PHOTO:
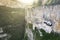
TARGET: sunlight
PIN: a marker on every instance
(27, 3)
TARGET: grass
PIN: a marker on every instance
(46, 36)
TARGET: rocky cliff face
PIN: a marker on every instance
(46, 16)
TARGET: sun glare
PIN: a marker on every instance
(27, 3)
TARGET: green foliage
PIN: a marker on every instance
(46, 36)
(49, 2)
